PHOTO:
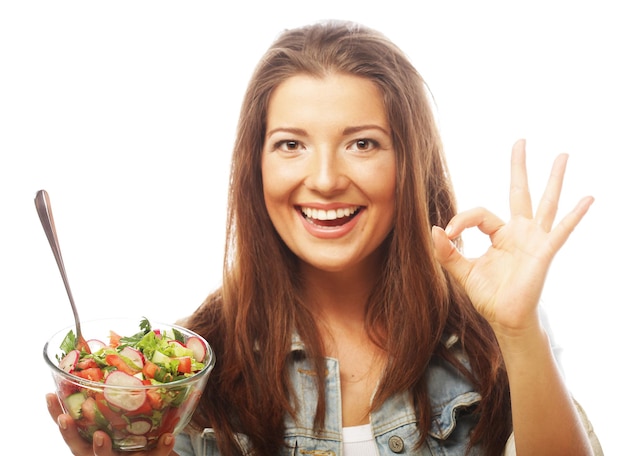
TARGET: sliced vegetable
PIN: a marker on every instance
(197, 348)
(94, 374)
(184, 364)
(134, 356)
(127, 399)
(69, 361)
(90, 410)
(139, 427)
(116, 361)
(95, 345)
(74, 403)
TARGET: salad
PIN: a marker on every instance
(130, 386)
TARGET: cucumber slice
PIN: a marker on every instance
(74, 404)
(160, 358)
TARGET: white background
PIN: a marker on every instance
(125, 112)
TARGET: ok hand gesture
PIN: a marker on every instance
(505, 283)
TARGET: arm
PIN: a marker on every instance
(505, 287)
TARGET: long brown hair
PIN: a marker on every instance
(250, 320)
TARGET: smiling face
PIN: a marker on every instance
(329, 170)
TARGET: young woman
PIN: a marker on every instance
(348, 321)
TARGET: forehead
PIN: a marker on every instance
(331, 97)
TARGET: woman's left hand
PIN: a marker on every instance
(505, 283)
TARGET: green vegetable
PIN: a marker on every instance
(145, 327)
(69, 343)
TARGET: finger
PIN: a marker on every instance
(102, 444)
(549, 204)
(165, 446)
(54, 406)
(519, 195)
(478, 217)
(448, 256)
(72, 438)
(69, 432)
(566, 226)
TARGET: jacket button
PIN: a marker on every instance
(396, 444)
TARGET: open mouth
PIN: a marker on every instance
(330, 218)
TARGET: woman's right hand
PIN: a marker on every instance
(102, 445)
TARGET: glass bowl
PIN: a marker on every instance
(137, 406)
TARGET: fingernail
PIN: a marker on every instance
(98, 440)
(62, 423)
(167, 440)
(449, 230)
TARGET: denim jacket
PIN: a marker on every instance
(394, 424)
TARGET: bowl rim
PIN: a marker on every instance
(208, 366)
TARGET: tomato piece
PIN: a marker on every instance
(114, 339)
(89, 409)
(184, 364)
(115, 418)
(92, 373)
(86, 364)
(155, 399)
(150, 369)
(117, 362)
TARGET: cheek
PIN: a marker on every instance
(275, 187)
(381, 183)
(384, 197)
(388, 186)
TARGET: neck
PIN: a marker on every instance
(343, 294)
(338, 300)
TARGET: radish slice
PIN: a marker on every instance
(68, 363)
(121, 397)
(196, 345)
(95, 345)
(134, 355)
(139, 427)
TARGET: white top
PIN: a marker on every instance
(359, 441)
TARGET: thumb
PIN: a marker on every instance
(448, 255)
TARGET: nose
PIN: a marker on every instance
(327, 172)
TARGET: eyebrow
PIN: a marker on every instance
(295, 131)
(346, 131)
(358, 128)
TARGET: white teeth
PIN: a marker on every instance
(332, 214)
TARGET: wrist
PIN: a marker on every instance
(522, 341)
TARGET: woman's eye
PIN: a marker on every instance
(288, 145)
(364, 144)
